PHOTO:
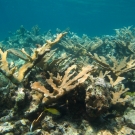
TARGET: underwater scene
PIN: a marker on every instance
(67, 67)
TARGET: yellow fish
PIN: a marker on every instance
(52, 110)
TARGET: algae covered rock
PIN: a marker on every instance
(130, 117)
(6, 128)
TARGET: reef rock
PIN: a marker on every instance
(130, 117)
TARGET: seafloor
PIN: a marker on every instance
(64, 84)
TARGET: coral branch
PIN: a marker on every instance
(118, 68)
(38, 54)
(117, 95)
(67, 83)
(117, 81)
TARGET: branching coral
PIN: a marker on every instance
(100, 95)
(117, 81)
(53, 64)
(75, 45)
(125, 38)
(64, 83)
(17, 76)
(95, 45)
(119, 67)
(65, 79)
(124, 33)
(117, 95)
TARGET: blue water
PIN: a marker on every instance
(92, 17)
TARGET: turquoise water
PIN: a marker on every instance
(92, 17)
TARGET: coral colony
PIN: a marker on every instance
(64, 84)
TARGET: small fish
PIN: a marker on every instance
(53, 111)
